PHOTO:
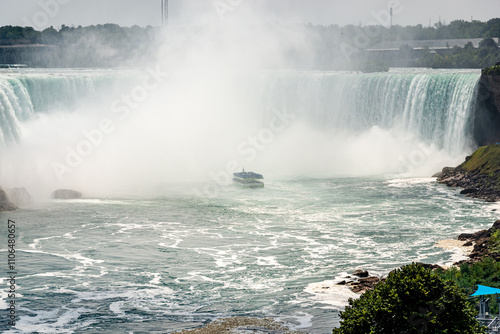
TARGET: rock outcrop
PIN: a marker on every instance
(5, 203)
(489, 85)
(66, 194)
(237, 325)
(483, 244)
(486, 127)
(365, 284)
(479, 175)
(361, 282)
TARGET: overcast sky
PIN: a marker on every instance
(44, 13)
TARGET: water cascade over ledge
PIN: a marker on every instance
(324, 122)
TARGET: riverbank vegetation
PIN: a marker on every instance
(413, 299)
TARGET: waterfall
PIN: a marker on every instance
(24, 95)
(436, 107)
(194, 124)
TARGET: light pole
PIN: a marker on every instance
(164, 13)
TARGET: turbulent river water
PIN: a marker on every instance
(162, 242)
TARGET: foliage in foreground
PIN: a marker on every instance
(412, 300)
(468, 276)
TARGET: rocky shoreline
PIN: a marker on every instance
(361, 281)
(479, 175)
(241, 325)
(482, 242)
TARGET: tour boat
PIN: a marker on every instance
(248, 179)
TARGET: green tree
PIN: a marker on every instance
(491, 28)
(412, 300)
(488, 43)
(50, 36)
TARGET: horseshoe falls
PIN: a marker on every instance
(437, 108)
(338, 121)
(162, 241)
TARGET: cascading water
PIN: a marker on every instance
(15, 105)
(338, 121)
(436, 107)
(23, 95)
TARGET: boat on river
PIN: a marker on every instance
(248, 179)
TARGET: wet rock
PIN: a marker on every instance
(5, 203)
(66, 194)
(469, 191)
(447, 170)
(496, 225)
(242, 325)
(480, 240)
(360, 281)
(364, 284)
(465, 236)
(361, 273)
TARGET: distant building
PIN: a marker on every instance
(391, 51)
(33, 55)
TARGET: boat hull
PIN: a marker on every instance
(251, 185)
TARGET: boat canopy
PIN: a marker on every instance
(483, 290)
(248, 175)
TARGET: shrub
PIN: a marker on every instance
(412, 300)
(493, 70)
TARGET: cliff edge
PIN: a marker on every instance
(487, 109)
(490, 82)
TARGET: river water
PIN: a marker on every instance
(123, 265)
(162, 242)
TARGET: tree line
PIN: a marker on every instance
(467, 57)
(104, 45)
(110, 45)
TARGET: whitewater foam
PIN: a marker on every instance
(329, 292)
(410, 122)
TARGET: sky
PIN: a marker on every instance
(44, 13)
